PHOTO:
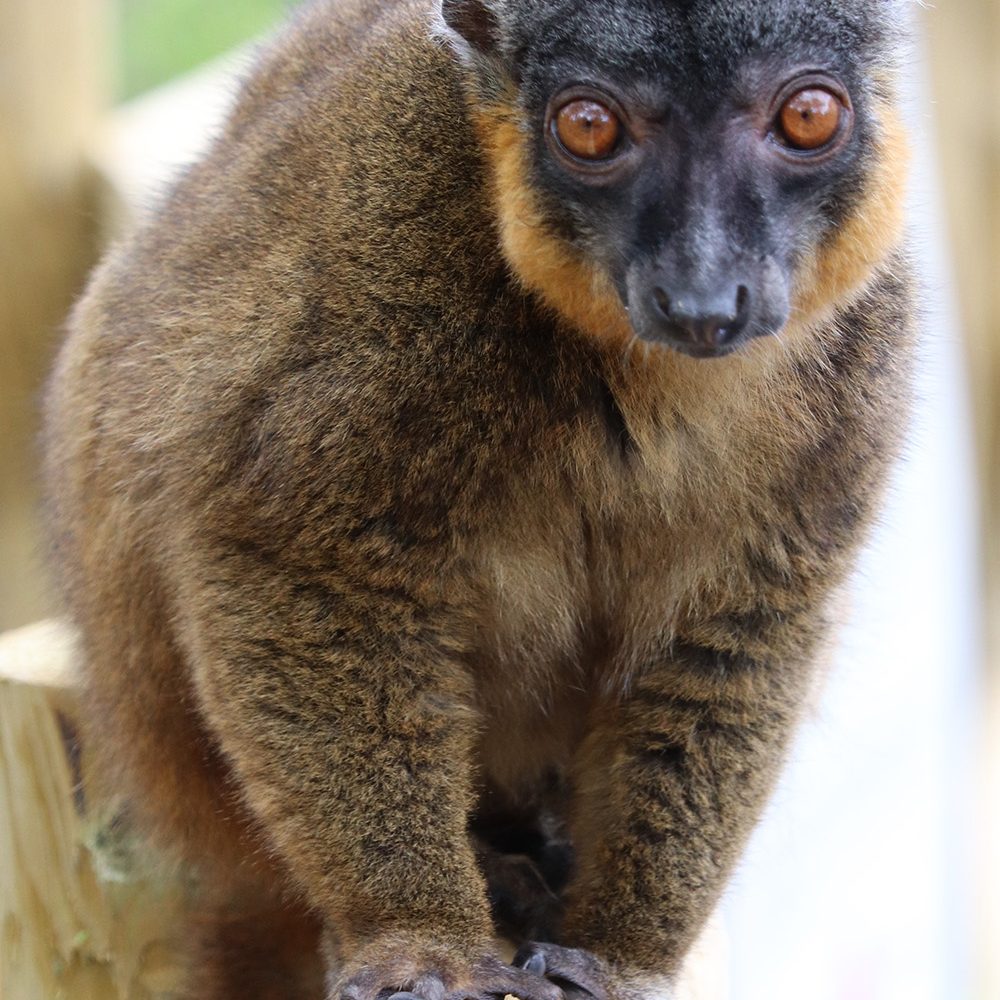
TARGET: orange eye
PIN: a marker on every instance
(588, 129)
(810, 118)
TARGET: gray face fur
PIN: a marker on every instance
(705, 225)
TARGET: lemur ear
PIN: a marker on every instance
(474, 22)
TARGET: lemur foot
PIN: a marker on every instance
(403, 977)
(581, 975)
(493, 979)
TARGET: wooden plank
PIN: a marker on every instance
(52, 93)
(85, 912)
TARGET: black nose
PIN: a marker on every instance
(707, 320)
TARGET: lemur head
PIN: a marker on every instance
(696, 173)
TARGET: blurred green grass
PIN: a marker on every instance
(159, 39)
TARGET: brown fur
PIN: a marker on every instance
(363, 537)
(269, 947)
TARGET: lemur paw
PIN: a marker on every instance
(404, 978)
(493, 979)
(581, 975)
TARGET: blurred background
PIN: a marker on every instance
(876, 873)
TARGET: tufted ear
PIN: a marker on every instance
(474, 22)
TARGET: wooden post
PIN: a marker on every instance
(87, 912)
(54, 57)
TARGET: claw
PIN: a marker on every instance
(498, 980)
(579, 974)
(531, 961)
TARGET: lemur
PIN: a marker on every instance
(450, 482)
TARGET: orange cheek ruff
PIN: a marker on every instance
(577, 290)
(839, 270)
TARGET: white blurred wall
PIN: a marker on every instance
(858, 885)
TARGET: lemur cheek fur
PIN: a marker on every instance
(838, 270)
(575, 288)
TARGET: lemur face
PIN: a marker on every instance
(699, 204)
(694, 154)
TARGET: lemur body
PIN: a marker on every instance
(382, 512)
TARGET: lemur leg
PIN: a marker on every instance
(669, 788)
(255, 947)
(350, 732)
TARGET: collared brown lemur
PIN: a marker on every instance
(451, 481)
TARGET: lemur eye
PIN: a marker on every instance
(810, 118)
(588, 129)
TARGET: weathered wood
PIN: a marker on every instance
(52, 92)
(86, 911)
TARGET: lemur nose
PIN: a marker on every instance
(709, 319)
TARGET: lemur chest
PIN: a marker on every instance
(585, 569)
(599, 549)
(573, 596)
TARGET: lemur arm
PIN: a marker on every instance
(351, 738)
(669, 786)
